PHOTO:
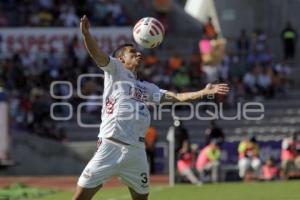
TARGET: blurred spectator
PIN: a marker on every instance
(185, 168)
(162, 6)
(237, 92)
(290, 157)
(62, 13)
(289, 39)
(208, 161)
(243, 43)
(237, 67)
(151, 61)
(68, 17)
(269, 171)
(45, 4)
(223, 69)
(150, 140)
(214, 133)
(181, 79)
(249, 163)
(116, 11)
(174, 62)
(43, 18)
(196, 73)
(181, 146)
(182, 143)
(259, 39)
(209, 29)
(26, 70)
(205, 49)
(211, 73)
(114, 7)
(100, 11)
(264, 83)
(3, 19)
(250, 81)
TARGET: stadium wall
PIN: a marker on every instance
(38, 156)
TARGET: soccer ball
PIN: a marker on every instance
(148, 32)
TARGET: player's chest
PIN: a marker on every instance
(135, 89)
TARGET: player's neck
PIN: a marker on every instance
(134, 72)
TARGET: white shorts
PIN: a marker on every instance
(113, 159)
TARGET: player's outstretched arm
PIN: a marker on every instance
(95, 52)
(210, 89)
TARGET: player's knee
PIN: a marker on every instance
(140, 197)
(80, 195)
(85, 194)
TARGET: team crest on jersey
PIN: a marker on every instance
(139, 93)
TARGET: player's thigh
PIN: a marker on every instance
(85, 193)
(135, 172)
(101, 167)
(137, 196)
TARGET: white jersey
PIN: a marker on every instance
(125, 115)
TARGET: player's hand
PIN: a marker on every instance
(84, 25)
(222, 88)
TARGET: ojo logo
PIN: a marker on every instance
(68, 89)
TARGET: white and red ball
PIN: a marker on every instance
(148, 32)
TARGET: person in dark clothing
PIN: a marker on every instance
(243, 43)
(214, 133)
(182, 143)
(289, 39)
(150, 141)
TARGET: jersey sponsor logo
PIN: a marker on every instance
(138, 93)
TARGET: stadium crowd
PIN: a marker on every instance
(28, 77)
(205, 164)
(249, 67)
(64, 13)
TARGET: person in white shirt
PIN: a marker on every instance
(125, 119)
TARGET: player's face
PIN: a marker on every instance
(132, 58)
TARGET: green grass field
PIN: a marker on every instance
(289, 190)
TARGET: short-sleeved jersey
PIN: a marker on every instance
(125, 115)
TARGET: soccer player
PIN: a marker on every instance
(122, 151)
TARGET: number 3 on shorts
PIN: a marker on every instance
(144, 179)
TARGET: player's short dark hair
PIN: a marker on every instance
(119, 51)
